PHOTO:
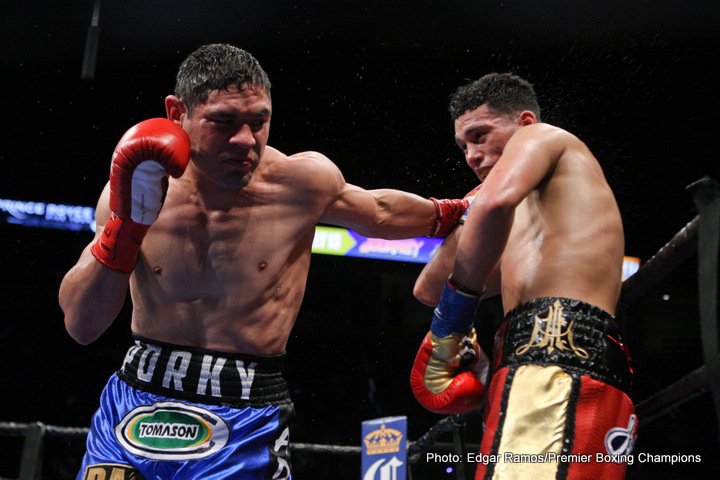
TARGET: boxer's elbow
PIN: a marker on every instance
(83, 330)
(501, 201)
(424, 294)
(89, 310)
(423, 297)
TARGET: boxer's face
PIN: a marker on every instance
(228, 134)
(482, 134)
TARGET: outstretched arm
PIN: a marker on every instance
(388, 213)
(384, 213)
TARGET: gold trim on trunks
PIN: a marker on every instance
(548, 333)
(535, 423)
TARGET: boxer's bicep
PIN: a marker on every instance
(352, 207)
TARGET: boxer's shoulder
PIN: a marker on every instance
(305, 172)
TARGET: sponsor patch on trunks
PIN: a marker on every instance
(172, 431)
(620, 441)
(111, 471)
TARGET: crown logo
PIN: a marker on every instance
(384, 440)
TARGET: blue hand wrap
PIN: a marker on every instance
(455, 312)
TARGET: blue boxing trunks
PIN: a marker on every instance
(176, 412)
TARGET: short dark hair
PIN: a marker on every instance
(503, 93)
(215, 66)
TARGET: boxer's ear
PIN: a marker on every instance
(175, 108)
(526, 118)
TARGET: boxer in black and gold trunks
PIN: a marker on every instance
(562, 382)
(544, 232)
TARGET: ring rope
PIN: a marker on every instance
(427, 440)
(663, 402)
(706, 194)
(15, 429)
(679, 249)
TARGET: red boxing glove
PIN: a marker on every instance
(143, 158)
(449, 212)
(449, 373)
(450, 368)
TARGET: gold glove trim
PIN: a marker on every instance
(448, 355)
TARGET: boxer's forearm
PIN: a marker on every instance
(398, 214)
(91, 297)
(430, 282)
(401, 214)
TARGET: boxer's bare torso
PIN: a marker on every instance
(564, 233)
(227, 270)
(225, 264)
(567, 237)
(549, 217)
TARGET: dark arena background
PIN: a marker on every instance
(366, 83)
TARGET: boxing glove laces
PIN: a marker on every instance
(144, 157)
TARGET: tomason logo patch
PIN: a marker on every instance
(172, 431)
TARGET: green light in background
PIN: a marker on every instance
(332, 241)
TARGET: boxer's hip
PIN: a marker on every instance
(575, 335)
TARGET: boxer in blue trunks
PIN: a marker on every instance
(216, 277)
(544, 231)
(182, 412)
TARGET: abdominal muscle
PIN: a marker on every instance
(538, 277)
(581, 259)
(221, 282)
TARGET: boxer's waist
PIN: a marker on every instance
(567, 332)
(205, 376)
(588, 319)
